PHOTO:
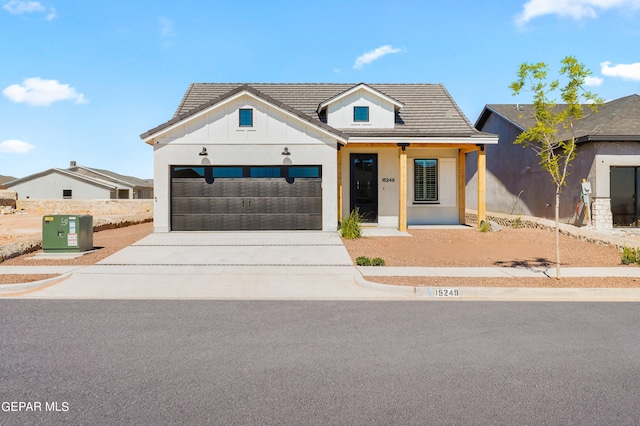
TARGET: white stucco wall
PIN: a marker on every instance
(228, 144)
(381, 112)
(50, 186)
(602, 165)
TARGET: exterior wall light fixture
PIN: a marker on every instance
(204, 151)
(286, 151)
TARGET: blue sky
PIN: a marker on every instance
(81, 80)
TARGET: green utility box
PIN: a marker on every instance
(67, 233)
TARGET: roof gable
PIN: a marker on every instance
(397, 105)
(68, 173)
(428, 110)
(233, 94)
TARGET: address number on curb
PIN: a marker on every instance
(447, 292)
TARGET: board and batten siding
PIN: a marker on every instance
(227, 143)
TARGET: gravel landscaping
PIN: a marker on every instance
(509, 247)
(106, 243)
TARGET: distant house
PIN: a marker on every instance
(608, 157)
(80, 183)
(5, 179)
(302, 156)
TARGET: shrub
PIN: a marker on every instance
(485, 226)
(629, 256)
(377, 262)
(350, 226)
(517, 223)
(363, 261)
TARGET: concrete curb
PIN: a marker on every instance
(454, 292)
(9, 290)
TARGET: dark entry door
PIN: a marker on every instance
(364, 185)
(624, 195)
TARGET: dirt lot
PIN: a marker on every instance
(521, 247)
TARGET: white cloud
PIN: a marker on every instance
(576, 9)
(52, 15)
(18, 7)
(36, 91)
(15, 146)
(624, 71)
(593, 81)
(371, 56)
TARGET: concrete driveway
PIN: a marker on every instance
(220, 265)
(235, 249)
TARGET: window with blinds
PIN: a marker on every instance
(425, 176)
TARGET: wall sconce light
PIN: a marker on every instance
(286, 151)
(204, 151)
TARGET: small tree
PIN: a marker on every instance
(556, 151)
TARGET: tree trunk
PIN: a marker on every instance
(557, 233)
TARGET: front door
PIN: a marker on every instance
(364, 185)
(625, 207)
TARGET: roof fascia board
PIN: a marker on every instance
(323, 105)
(29, 177)
(471, 140)
(232, 98)
(605, 138)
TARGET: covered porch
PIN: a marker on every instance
(408, 183)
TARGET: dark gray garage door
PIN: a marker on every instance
(246, 198)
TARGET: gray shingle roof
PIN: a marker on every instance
(428, 111)
(616, 120)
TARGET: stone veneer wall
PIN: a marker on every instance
(602, 216)
(91, 207)
(586, 233)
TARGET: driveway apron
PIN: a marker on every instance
(220, 265)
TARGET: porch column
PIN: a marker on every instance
(402, 187)
(461, 187)
(482, 171)
(339, 184)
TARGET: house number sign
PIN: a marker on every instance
(447, 292)
(388, 179)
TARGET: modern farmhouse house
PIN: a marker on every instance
(302, 156)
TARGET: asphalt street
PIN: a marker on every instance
(283, 362)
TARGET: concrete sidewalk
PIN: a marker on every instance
(287, 282)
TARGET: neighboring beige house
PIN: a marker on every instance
(302, 156)
(80, 183)
(608, 157)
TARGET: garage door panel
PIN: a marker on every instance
(283, 205)
(189, 205)
(239, 205)
(246, 222)
(246, 203)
